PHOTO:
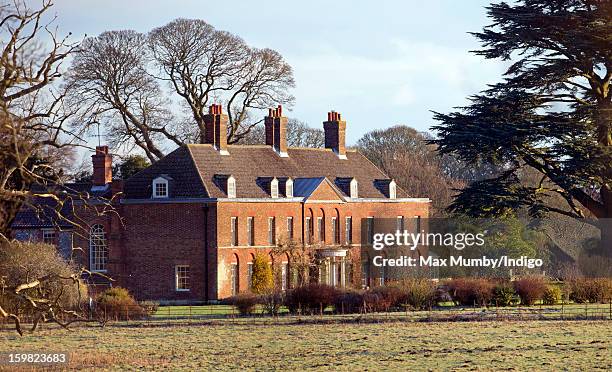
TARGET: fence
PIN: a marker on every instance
(211, 313)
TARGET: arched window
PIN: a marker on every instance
(98, 248)
(274, 188)
(289, 188)
(354, 189)
(231, 187)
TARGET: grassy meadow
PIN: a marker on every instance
(501, 345)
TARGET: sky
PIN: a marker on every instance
(378, 63)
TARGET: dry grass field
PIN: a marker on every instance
(526, 345)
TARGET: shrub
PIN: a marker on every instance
(244, 302)
(552, 295)
(22, 262)
(418, 294)
(382, 298)
(471, 291)
(272, 301)
(503, 294)
(530, 289)
(116, 303)
(348, 301)
(261, 279)
(310, 298)
(591, 290)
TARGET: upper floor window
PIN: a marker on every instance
(392, 190)
(271, 230)
(370, 229)
(250, 231)
(349, 229)
(234, 230)
(321, 228)
(274, 188)
(290, 228)
(400, 223)
(289, 188)
(231, 187)
(160, 187)
(98, 248)
(308, 230)
(48, 236)
(354, 188)
(335, 231)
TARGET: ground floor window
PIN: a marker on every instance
(249, 274)
(235, 280)
(284, 275)
(182, 277)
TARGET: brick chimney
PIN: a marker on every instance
(216, 129)
(276, 130)
(335, 131)
(102, 166)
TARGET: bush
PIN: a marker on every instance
(503, 294)
(348, 301)
(552, 295)
(310, 298)
(149, 307)
(22, 262)
(244, 302)
(261, 279)
(591, 290)
(382, 298)
(116, 303)
(471, 291)
(418, 294)
(530, 289)
(272, 301)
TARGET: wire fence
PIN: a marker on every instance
(186, 315)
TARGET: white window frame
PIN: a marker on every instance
(354, 189)
(234, 231)
(321, 229)
(274, 188)
(251, 231)
(161, 181)
(235, 278)
(335, 232)
(308, 230)
(186, 278)
(289, 188)
(249, 274)
(290, 227)
(271, 230)
(392, 190)
(348, 229)
(370, 229)
(98, 245)
(53, 236)
(231, 187)
(284, 275)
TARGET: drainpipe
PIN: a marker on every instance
(206, 252)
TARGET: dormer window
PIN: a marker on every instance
(392, 190)
(231, 187)
(160, 187)
(289, 188)
(354, 187)
(274, 188)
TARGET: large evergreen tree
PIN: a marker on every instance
(551, 112)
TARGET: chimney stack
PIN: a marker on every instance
(335, 131)
(276, 130)
(216, 129)
(102, 166)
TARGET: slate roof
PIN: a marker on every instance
(43, 212)
(193, 169)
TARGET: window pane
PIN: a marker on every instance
(98, 249)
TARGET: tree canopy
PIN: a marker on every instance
(551, 111)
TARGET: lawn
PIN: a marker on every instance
(229, 345)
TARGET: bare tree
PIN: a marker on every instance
(33, 131)
(202, 64)
(109, 82)
(299, 134)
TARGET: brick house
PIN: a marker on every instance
(188, 227)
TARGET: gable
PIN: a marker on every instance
(325, 191)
